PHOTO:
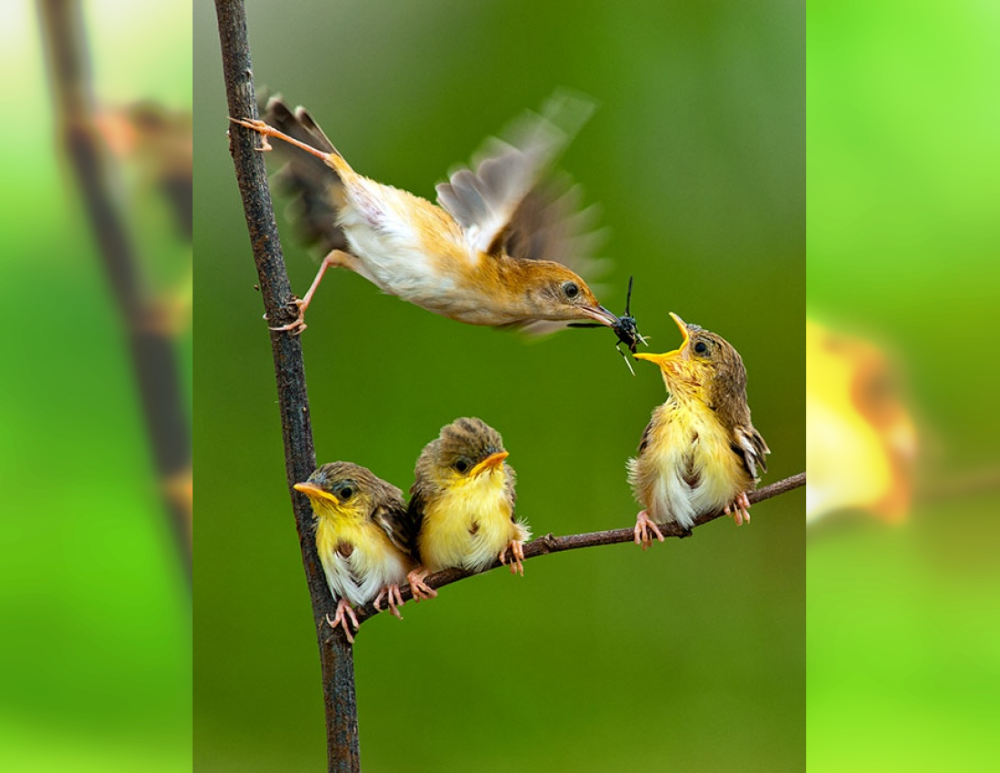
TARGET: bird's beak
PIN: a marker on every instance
(601, 314)
(311, 490)
(663, 360)
(684, 330)
(491, 462)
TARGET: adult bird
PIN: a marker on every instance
(497, 251)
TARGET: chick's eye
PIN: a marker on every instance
(570, 289)
(701, 348)
(345, 493)
(462, 465)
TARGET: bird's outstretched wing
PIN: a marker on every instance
(512, 203)
(306, 179)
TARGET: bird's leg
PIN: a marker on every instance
(516, 548)
(739, 509)
(337, 259)
(266, 131)
(344, 611)
(394, 598)
(417, 585)
(642, 527)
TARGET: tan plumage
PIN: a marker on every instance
(360, 537)
(495, 252)
(700, 452)
(462, 504)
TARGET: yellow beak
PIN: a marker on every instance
(313, 491)
(664, 359)
(491, 462)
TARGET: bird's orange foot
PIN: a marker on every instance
(258, 126)
(344, 611)
(266, 131)
(299, 324)
(516, 548)
(643, 525)
(740, 509)
(394, 599)
(418, 587)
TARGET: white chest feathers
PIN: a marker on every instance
(687, 468)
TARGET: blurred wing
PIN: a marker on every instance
(508, 205)
(309, 182)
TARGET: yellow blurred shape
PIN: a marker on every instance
(861, 441)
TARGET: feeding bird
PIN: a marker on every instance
(496, 250)
(700, 451)
(462, 504)
(360, 538)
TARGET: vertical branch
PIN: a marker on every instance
(150, 339)
(336, 656)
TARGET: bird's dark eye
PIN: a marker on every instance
(571, 289)
(462, 465)
(701, 348)
(345, 493)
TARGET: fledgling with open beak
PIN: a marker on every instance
(360, 538)
(498, 250)
(462, 504)
(700, 452)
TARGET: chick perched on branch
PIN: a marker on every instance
(359, 537)
(700, 452)
(462, 504)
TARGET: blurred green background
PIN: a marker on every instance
(689, 656)
(903, 244)
(96, 650)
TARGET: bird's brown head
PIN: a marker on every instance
(554, 292)
(467, 450)
(347, 490)
(705, 367)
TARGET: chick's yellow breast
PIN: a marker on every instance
(688, 466)
(358, 558)
(468, 525)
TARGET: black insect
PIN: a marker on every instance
(625, 328)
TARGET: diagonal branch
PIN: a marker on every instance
(336, 655)
(154, 360)
(550, 544)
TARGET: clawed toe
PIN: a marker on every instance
(643, 526)
(418, 587)
(516, 548)
(343, 612)
(296, 326)
(393, 597)
(739, 510)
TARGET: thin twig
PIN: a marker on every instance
(154, 359)
(551, 544)
(336, 655)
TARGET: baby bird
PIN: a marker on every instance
(360, 527)
(700, 451)
(492, 253)
(462, 504)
